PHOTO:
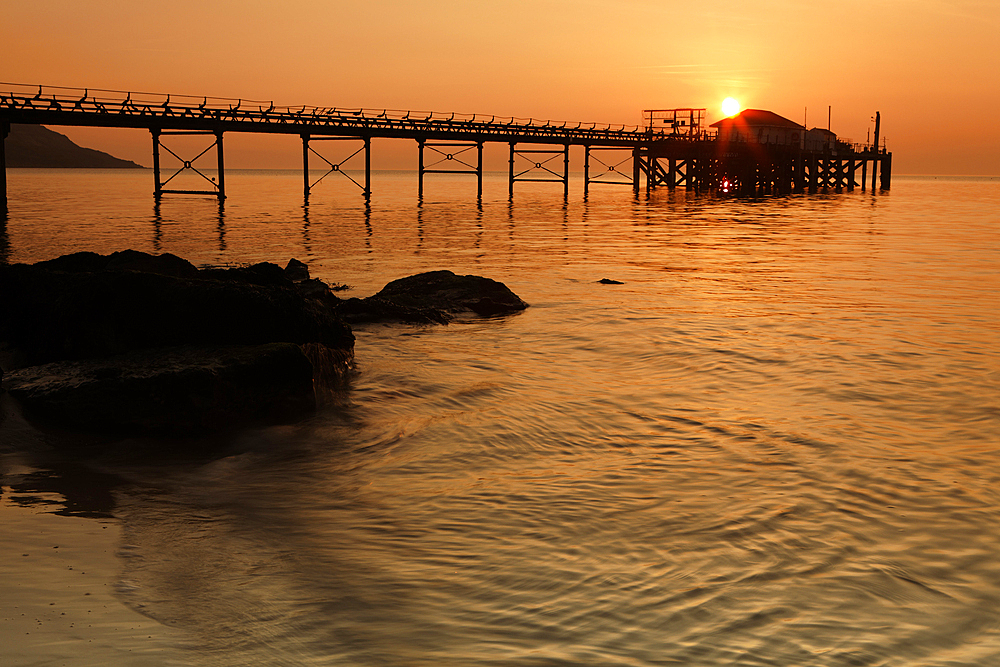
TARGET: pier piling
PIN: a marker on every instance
(886, 179)
(4, 132)
(221, 185)
(878, 120)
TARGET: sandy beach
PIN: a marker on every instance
(58, 578)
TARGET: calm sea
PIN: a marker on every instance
(776, 443)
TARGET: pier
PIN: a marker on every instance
(672, 148)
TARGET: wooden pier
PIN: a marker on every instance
(671, 149)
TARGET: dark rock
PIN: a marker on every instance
(165, 264)
(314, 288)
(170, 390)
(11, 356)
(125, 260)
(609, 281)
(264, 274)
(296, 271)
(138, 343)
(447, 293)
(51, 315)
(134, 342)
(377, 309)
(77, 262)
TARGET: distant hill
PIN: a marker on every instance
(37, 146)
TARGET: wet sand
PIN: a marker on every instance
(58, 578)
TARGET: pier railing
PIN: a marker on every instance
(113, 108)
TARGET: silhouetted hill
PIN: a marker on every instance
(37, 146)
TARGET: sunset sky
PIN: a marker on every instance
(931, 67)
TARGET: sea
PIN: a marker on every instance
(773, 441)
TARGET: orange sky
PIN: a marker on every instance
(929, 66)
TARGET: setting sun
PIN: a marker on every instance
(730, 106)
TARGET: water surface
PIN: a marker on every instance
(777, 443)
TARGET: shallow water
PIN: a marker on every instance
(777, 443)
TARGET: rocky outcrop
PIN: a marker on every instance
(180, 391)
(124, 260)
(132, 342)
(376, 309)
(55, 315)
(435, 296)
(141, 343)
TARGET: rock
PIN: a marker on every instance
(296, 271)
(609, 281)
(438, 295)
(133, 342)
(137, 343)
(53, 315)
(314, 288)
(377, 309)
(77, 262)
(264, 274)
(181, 390)
(125, 260)
(11, 357)
(164, 265)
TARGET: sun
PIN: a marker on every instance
(730, 106)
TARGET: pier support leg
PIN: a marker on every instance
(541, 166)
(851, 168)
(157, 186)
(420, 169)
(452, 155)
(636, 159)
(586, 171)
(510, 174)
(305, 166)
(368, 169)
(218, 184)
(565, 169)
(748, 178)
(222, 165)
(671, 174)
(864, 172)
(878, 123)
(886, 180)
(4, 131)
(479, 170)
(335, 167)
